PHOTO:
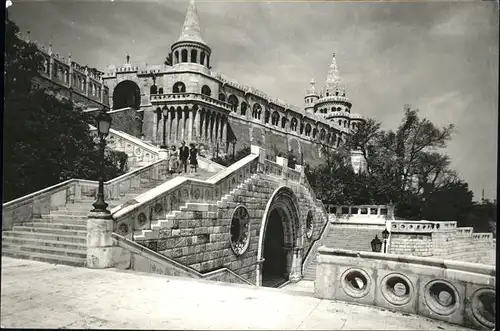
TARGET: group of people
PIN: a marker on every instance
(178, 159)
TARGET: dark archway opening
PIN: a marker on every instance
(127, 94)
(274, 271)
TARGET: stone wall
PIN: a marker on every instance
(441, 239)
(201, 239)
(452, 291)
(128, 121)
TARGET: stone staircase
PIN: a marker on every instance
(60, 236)
(346, 237)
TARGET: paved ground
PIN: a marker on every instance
(40, 295)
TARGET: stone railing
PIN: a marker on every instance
(420, 226)
(361, 214)
(455, 292)
(25, 208)
(139, 153)
(464, 232)
(482, 237)
(272, 168)
(177, 97)
(170, 196)
(131, 254)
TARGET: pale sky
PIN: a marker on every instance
(440, 57)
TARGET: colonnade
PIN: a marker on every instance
(192, 125)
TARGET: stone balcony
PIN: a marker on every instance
(176, 98)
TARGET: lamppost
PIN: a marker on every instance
(165, 114)
(385, 235)
(376, 245)
(103, 125)
(234, 144)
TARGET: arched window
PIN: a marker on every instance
(202, 57)
(267, 114)
(222, 97)
(293, 124)
(275, 119)
(340, 122)
(153, 89)
(194, 56)
(257, 110)
(301, 128)
(160, 90)
(176, 56)
(327, 94)
(283, 122)
(244, 107)
(308, 130)
(179, 87)
(184, 55)
(233, 100)
(206, 90)
(315, 132)
(208, 61)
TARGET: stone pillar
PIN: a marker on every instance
(175, 122)
(259, 272)
(296, 270)
(284, 163)
(99, 240)
(288, 251)
(196, 124)
(224, 131)
(201, 121)
(190, 125)
(261, 152)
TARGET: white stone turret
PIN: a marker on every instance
(311, 97)
(190, 47)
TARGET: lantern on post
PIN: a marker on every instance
(234, 144)
(376, 245)
(103, 126)
(385, 235)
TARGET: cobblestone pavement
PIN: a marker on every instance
(41, 295)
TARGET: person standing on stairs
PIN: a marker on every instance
(173, 163)
(183, 156)
(193, 157)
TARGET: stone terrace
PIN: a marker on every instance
(41, 295)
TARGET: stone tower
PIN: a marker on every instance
(190, 49)
(311, 97)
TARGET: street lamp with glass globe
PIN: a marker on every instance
(376, 245)
(385, 235)
(103, 126)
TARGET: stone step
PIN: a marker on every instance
(45, 236)
(19, 241)
(62, 217)
(53, 225)
(198, 207)
(64, 232)
(78, 253)
(43, 257)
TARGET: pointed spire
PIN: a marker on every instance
(333, 78)
(312, 87)
(191, 30)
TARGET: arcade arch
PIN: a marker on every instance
(127, 94)
(280, 240)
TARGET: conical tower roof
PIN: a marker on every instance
(312, 87)
(333, 79)
(191, 30)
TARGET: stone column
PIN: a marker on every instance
(190, 125)
(296, 270)
(216, 128)
(196, 124)
(259, 272)
(99, 240)
(201, 125)
(224, 131)
(289, 261)
(175, 125)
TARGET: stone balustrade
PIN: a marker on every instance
(482, 237)
(452, 291)
(155, 204)
(420, 226)
(138, 152)
(25, 208)
(183, 97)
(376, 214)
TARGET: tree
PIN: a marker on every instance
(46, 139)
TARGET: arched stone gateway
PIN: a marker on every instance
(127, 94)
(280, 241)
